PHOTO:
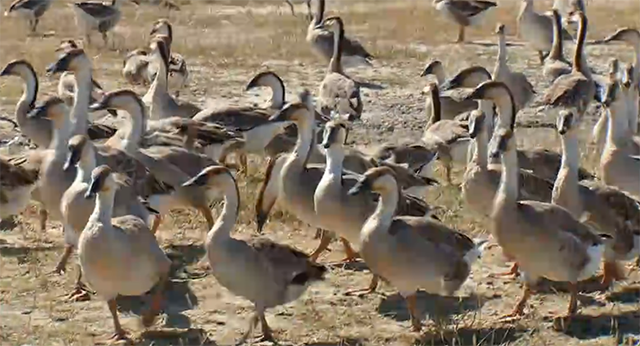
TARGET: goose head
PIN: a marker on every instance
(470, 77)
(211, 177)
(335, 134)
(67, 45)
(298, 112)
(567, 121)
(500, 29)
(433, 68)
(73, 60)
(122, 99)
(497, 92)
(162, 27)
(20, 68)
(77, 148)
(52, 108)
(160, 49)
(627, 35)
(476, 123)
(378, 180)
(272, 81)
(101, 181)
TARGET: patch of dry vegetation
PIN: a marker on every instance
(225, 43)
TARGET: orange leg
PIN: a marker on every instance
(518, 310)
(351, 255)
(361, 292)
(156, 304)
(62, 263)
(119, 334)
(416, 326)
(611, 273)
(512, 272)
(324, 244)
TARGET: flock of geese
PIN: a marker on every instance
(110, 187)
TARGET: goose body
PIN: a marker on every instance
(555, 65)
(411, 252)
(338, 92)
(521, 89)
(98, 16)
(463, 12)
(264, 272)
(452, 103)
(322, 41)
(120, 256)
(31, 10)
(537, 29)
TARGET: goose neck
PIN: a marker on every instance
(506, 110)
(440, 75)
(556, 45)
(486, 107)
(335, 64)
(382, 217)
(578, 55)
(28, 99)
(502, 52)
(318, 15)
(82, 98)
(304, 142)
(617, 134)
(335, 159)
(227, 219)
(103, 210)
(480, 155)
(570, 152)
(436, 114)
(85, 166)
(508, 190)
(63, 129)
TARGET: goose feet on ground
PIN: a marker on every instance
(518, 310)
(512, 272)
(62, 263)
(79, 294)
(361, 292)
(611, 272)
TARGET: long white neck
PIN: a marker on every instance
(227, 219)
(103, 210)
(508, 191)
(137, 127)
(85, 166)
(303, 144)
(335, 159)
(158, 88)
(570, 153)
(82, 97)
(486, 107)
(61, 133)
(382, 217)
(481, 142)
(617, 134)
(28, 98)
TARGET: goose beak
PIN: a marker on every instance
(357, 188)
(72, 160)
(198, 180)
(98, 106)
(93, 189)
(37, 113)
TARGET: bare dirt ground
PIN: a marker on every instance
(225, 44)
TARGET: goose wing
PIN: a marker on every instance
(96, 9)
(285, 263)
(436, 232)
(463, 10)
(324, 41)
(568, 90)
(12, 176)
(37, 6)
(235, 118)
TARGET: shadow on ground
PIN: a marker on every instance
(434, 306)
(621, 325)
(472, 336)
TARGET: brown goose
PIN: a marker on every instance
(464, 12)
(98, 16)
(31, 10)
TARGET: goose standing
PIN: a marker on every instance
(120, 256)
(464, 12)
(161, 104)
(98, 16)
(548, 241)
(537, 29)
(177, 66)
(266, 273)
(338, 92)
(31, 10)
(520, 87)
(555, 65)
(577, 89)
(411, 252)
(322, 41)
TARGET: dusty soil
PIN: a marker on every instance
(226, 43)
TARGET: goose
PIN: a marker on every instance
(136, 68)
(631, 37)
(520, 87)
(481, 179)
(618, 166)
(266, 273)
(577, 89)
(31, 10)
(411, 252)
(464, 12)
(555, 65)
(599, 133)
(161, 104)
(17, 183)
(537, 29)
(170, 164)
(449, 137)
(98, 16)
(322, 41)
(338, 92)
(633, 97)
(348, 214)
(178, 71)
(548, 242)
(76, 209)
(451, 104)
(469, 77)
(120, 256)
(293, 12)
(39, 131)
(297, 181)
(606, 209)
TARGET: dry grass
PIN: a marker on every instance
(225, 44)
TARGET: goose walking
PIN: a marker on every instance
(98, 16)
(464, 13)
(31, 10)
